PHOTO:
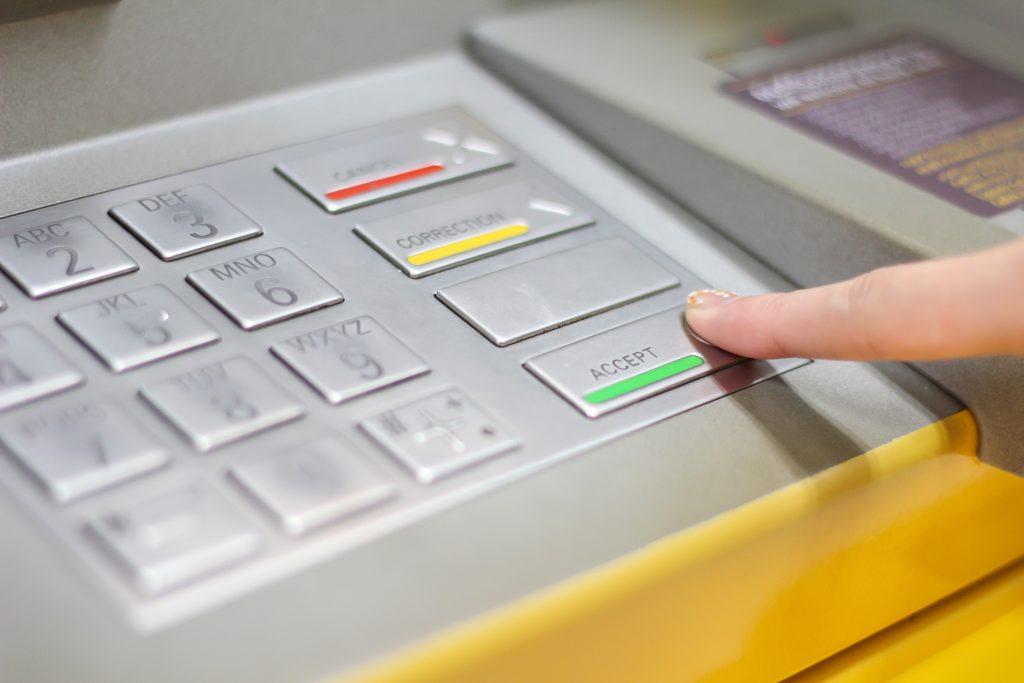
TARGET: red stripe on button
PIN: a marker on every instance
(386, 181)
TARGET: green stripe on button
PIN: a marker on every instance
(644, 379)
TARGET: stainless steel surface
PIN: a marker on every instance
(46, 258)
(178, 222)
(414, 158)
(419, 242)
(138, 327)
(313, 484)
(77, 447)
(581, 371)
(439, 435)
(435, 556)
(176, 536)
(214, 405)
(31, 368)
(349, 358)
(520, 302)
(264, 287)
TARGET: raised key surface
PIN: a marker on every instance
(80, 446)
(31, 368)
(401, 162)
(174, 537)
(48, 258)
(619, 367)
(223, 402)
(264, 287)
(468, 228)
(439, 435)
(313, 484)
(349, 358)
(180, 221)
(138, 327)
(521, 301)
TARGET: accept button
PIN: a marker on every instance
(626, 364)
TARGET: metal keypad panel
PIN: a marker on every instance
(220, 416)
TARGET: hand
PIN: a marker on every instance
(970, 305)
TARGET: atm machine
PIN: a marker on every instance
(343, 342)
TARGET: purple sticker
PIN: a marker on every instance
(920, 111)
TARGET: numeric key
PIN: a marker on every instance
(53, 257)
(31, 368)
(184, 221)
(137, 327)
(264, 288)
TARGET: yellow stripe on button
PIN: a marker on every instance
(468, 244)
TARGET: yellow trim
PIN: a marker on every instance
(468, 244)
(763, 591)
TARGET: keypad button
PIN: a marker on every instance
(81, 446)
(264, 288)
(461, 230)
(53, 257)
(313, 484)
(178, 535)
(413, 159)
(524, 300)
(137, 327)
(439, 435)
(183, 221)
(349, 358)
(223, 402)
(626, 364)
(31, 368)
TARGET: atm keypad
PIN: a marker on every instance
(226, 410)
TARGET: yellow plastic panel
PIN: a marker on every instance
(764, 591)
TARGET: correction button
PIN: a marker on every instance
(222, 402)
(439, 435)
(52, 257)
(628, 363)
(461, 230)
(180, 221)
(418, 157)
(264, 288)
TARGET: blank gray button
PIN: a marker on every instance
(371, 171)
(468, 228)
(181, 534)
(522, 301)
(222, 402)
(264, 288)
(81, 446)
(138, 327)
(53, 257)
(613, 369)
(182, 221)
(349, 358)
(314, 484)
(439, 435)
(31, 368)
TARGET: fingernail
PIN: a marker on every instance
(709, 298)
